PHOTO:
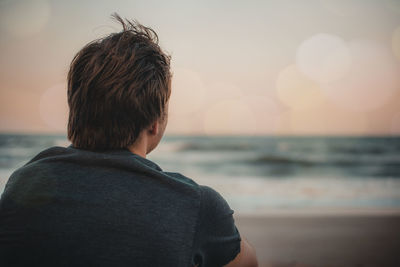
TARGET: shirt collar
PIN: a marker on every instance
(123, 152)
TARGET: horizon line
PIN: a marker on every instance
(376, 135)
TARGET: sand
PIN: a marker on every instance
(323, 240)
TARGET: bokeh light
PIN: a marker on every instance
(265, 112)
(235, 55)
(185, 124)
(24, 18)
(188, 91)
(18, 100)
(324, 58)
(372, 80)
(219, 91)
(328, 119)
(54, 108)
(232, 116)
(296, 90)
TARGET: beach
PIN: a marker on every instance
(283, 240)
(300, 201)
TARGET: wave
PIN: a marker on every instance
(215, 147)
(281, 160)
(359, 150)
(271, 159)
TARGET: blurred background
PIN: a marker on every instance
(284, 107)
(278, 104)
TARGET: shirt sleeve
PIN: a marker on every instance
(217, 240)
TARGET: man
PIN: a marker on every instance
(100, 202)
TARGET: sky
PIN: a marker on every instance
(273, 67)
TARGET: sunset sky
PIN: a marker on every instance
(282, 67)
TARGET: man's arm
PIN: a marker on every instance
(246, 257)
(217, 241)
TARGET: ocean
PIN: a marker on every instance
(260, 175)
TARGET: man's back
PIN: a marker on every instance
(73, 207)
(77, 207)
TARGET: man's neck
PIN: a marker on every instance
(139, 147)
(137, 152)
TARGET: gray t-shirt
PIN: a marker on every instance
(73, 207)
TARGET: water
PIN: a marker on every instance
(260, 174)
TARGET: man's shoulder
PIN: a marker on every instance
(49, 153)
(120, 161)
(34, 163)
(182, 178)
(116, 159)
(212, 202)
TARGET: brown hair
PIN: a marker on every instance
(117, 86)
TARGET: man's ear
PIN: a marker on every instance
(153, 129)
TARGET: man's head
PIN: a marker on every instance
(118, 86)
